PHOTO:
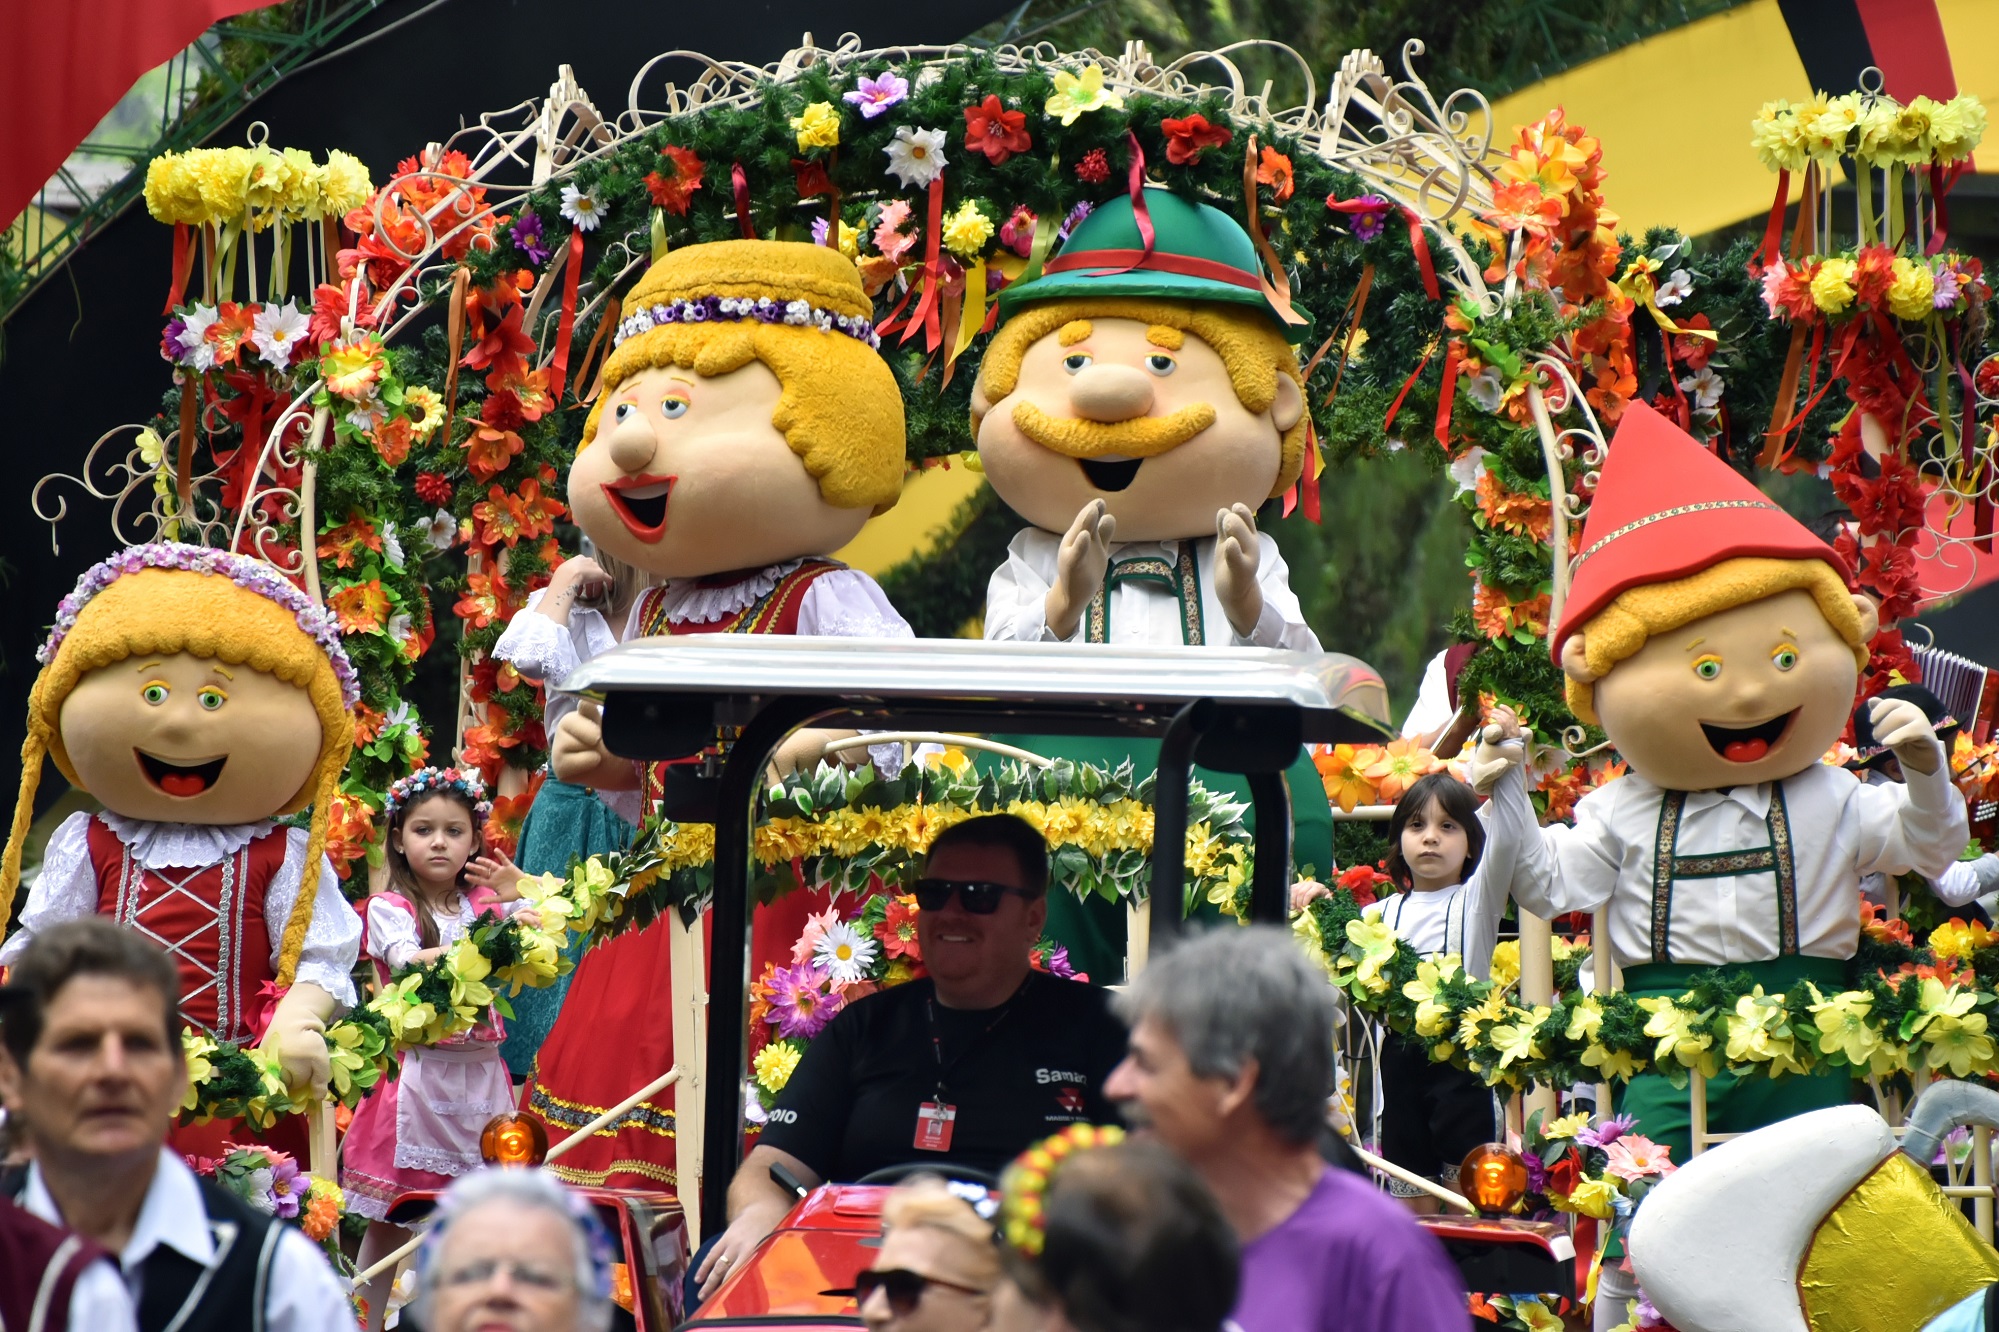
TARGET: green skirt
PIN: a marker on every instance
(1094, 931)
(565, 823)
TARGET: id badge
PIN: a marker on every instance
(933, 1126)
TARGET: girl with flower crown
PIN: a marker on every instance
(419, 1130)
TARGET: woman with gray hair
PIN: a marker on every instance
(513, 1248)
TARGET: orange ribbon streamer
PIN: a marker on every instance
(567, 328)
(454, 332)
(1448, 394)
(1277, 285)
(183, 266)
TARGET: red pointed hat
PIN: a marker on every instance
(1667, 508)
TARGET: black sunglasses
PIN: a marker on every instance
(980, 897)
(904, 1289)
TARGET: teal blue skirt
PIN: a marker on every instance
(565, 823)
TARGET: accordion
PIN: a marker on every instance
(1971, 693)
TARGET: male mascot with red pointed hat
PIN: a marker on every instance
(1718, 643)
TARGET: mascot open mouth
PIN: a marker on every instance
(1109, 474)
(180, 779)
(1748, 744)
(640, 503)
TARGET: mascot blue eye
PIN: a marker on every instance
(1075, 363)
(625, 410)
(673, 408)
(1161, 365)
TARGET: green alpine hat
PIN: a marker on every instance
(1198, 254)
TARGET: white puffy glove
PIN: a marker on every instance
(1901, 726)
(1501, 745)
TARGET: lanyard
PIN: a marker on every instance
(945, 1070)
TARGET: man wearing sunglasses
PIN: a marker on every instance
(969, 1066)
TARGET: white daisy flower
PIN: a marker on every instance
(442, 530)
(392, 546)
(844, 952)
(916, 157)
(1675, 288)
(582, 208)
(1706, 386)
(1467, 468)
(276, 333)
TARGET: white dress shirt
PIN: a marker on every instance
(1432, 708)
(1016, 597)
(303, 1295)
(67, 889)
(1841, 830)
(1464, 918)
(99, 1302)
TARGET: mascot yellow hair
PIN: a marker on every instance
(167, 598)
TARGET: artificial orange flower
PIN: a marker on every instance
(503, 825)
(1401, 764)
(1274, 169)
(392, 440)
(367, 724)
(484, 601)
(674, 188)
(488, 451)
(361, 607)
(1498, 615)
(1343, 769)
(1522, 206)
(344, 544)
(350, 828)
(1529, 515)
(231, 329)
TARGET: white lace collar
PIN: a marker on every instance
(687, 601)
(181, 845)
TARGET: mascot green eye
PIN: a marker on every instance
(1784, 658)
(1708, 668)
(211, 698)
(155, 693)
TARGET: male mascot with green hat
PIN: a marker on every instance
(1718, 643)
(1140, 400)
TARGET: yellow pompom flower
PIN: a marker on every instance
(346, 186)
(1910, 292)
(775, 1064)
(1778, 136)
(223, 176)
(173, 194)
(966, 231)
(1957, 940)
(1832, 286)
(817, 127)
(1505, 963)
(1956, 127)
(304, 180)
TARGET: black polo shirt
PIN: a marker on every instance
(1014, 1074)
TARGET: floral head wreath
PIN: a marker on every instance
(1024, 1187)
(437, 781)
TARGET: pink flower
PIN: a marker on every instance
(889, 238)
(1018, 232)
(808, 939)
(1635, 1156)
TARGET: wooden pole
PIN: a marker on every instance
(1537, 986)
(1410, 1177)
(1137, 938)
(687, 958)
(1697, 1113)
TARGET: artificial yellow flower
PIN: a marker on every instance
(195, 1051)
(817, 127)
(775, 1064)
(1842, 1024)
(428, 405)
(1376, 942)
(1957, 940)
(1536, 1316)
(173, 194)
(346, 186)
(1432, 1013)
(1591, 1197)
(966, 231)
(1565, 1127)
(1505, 963)
(1959, 1043)
(1834, 125)
(1832, 286)
(1675, 1030)
(1491, 1009)
(1076, 95)
(1910, 292)
(304, 180)
(1778, 137)
(1514, 1039)
(1758, 1032)
(1956, 127)
(1613, 1065)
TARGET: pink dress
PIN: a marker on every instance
(422, 1128)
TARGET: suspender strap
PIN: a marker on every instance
(1668, 837)
(1182, 578)
(1778, 859)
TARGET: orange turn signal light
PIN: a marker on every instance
(513, 1139)
(1493, 1178)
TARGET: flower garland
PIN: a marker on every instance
(850, 831)
(1906, 1008)
(271, 1182)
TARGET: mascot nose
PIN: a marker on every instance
(1110, 393)
(633, 444)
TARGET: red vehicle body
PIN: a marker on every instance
(818, 1247)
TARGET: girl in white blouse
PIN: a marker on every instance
(419, 1130)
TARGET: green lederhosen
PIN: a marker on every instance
(1734, 1105)
(1093, 931)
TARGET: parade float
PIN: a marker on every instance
(379, 388)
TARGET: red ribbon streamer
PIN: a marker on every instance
(1141, 216)
(567, 327)
(1309, 478)
(741, 182)
(183, 266)
(925, 315)
(1941, 183)
(1407, 384)
(1448, 394)
(1773, 231)
(1419, 245)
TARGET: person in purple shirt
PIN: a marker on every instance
(1231, 1066)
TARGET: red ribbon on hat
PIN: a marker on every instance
(1141, 217)
(567, 328)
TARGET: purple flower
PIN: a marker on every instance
(875, 96)
(1371, 222)
(802, 1001)
(1075, 218)
(1607, 1132)
(1058, 962)
(1947, 288)
(819, 230)
(1537, 1172)
(171, 346)
(530, 238)
(285, 1188)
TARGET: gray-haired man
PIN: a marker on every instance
(1231, 1065)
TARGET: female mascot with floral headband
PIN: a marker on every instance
(199, 697)
(748, 426)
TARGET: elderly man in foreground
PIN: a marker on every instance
(970, 1065)
(513, 1249)
(1231, 1065)
(90, 1062)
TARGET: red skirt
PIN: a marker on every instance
(615, 1035)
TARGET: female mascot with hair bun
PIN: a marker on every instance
(747, 427)
(200, 697)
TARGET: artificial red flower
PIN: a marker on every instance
(489, 451)
(531, 391)
(1364, 882)
(504, 347)
(1565, 1174)
(995, 131)
(897, 930)
(1793, 293)
(1094, 168)
(1187, 138)
(1889, 503)
(1693, 352)
(329, 307)
(1274, 169)
(812, 178)
(1873, 274)
(674, 191)
(502, 410)
(433, 488)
